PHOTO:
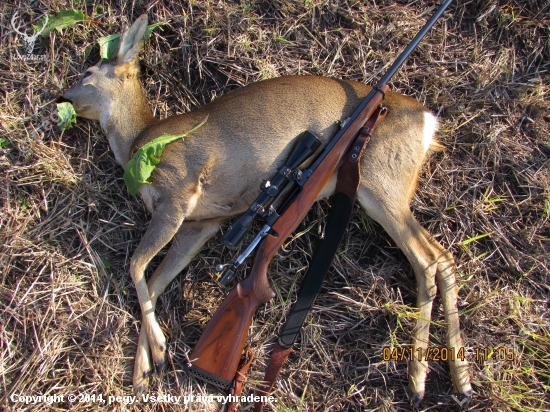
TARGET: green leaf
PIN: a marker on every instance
(106, 264)
(141, 166)
(4, 142)
(67, 115)
(62, 20)
(108, 45)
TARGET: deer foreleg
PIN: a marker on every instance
(187, 242)
(166, 221)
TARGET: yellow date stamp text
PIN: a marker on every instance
(443, 354)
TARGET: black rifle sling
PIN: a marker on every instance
(337, 221)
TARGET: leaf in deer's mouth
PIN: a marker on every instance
(139, 169)
(67, 115)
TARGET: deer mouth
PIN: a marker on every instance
(78, 108)
(63, 99)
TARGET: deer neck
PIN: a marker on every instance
(123, 122)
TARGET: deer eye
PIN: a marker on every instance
(86, 74)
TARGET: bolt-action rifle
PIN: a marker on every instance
(283, 203)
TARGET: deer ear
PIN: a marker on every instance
(132, 41)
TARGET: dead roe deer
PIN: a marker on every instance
(216, 173)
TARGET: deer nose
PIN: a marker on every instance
(63, 99)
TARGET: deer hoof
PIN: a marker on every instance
(416, 399)
(159, 366)
(141, 383)
(465, 398)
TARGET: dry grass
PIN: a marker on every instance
(69, 316)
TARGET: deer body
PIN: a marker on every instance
(216, 172)
(216, 160)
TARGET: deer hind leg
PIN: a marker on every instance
(187, 242)
(433, 266)
(445, 276)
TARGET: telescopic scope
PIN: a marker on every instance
(307, 144)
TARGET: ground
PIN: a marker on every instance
(69, 317)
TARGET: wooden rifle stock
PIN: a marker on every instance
(216, 356)
(218, 352)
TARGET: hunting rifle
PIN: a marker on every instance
(215, 358)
